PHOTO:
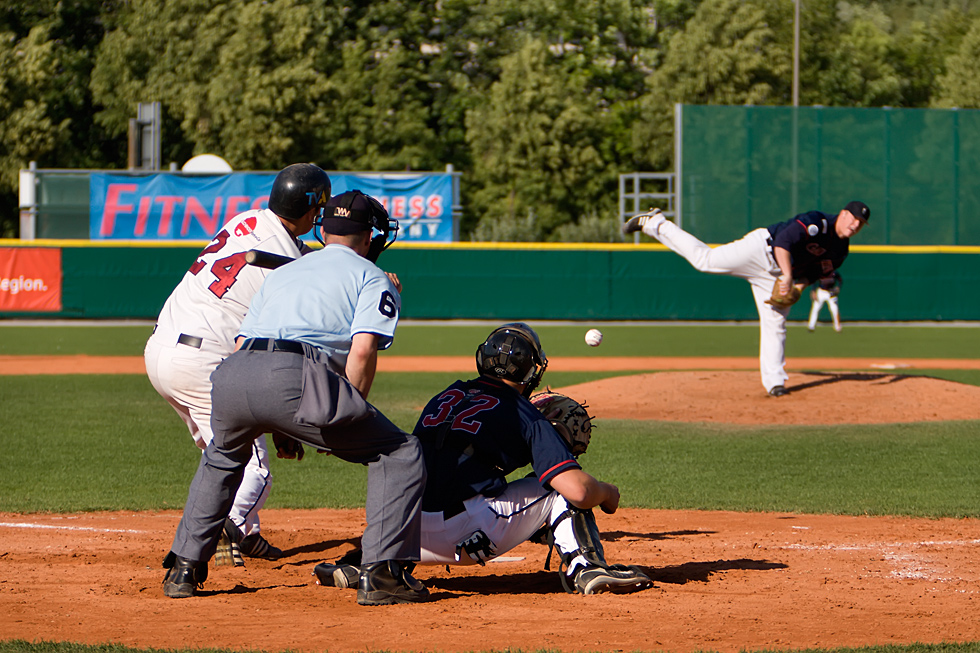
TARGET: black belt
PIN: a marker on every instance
(269, 344)
(190, 341)
(453, 510)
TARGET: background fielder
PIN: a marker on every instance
(826, 291)
(197, 327)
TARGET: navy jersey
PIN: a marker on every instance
(475, 433)
(812, 241)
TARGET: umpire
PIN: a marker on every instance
(303, 372)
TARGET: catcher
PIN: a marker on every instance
(475, 433)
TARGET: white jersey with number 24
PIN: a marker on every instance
(211, 300)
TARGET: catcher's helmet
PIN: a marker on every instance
(353, 212)
(513, 352)
(297, 189)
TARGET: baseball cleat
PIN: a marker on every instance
(229, 551)
(256, 546)
(181, 581)
(388, 582)
(337, 575)
(778, 391)
(649, 222)
(617, 579)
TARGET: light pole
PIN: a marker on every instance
(796, 54)
(795, 200)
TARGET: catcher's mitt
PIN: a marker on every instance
(784, 301)
(569, 417)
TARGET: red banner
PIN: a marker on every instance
(30, 279)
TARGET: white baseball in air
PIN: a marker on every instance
(593, 337)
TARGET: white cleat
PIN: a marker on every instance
(649, 222)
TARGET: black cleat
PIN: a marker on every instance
(229, 550)
(654, 217)
(256, 546)
(388, 582)
(778, 391)
(183, 579)
(337, 575)
(617, 579)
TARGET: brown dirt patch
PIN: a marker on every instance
(814, 398)
(724, 581)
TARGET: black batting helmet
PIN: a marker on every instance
(353, 212)
(297, 189)
(513, 352)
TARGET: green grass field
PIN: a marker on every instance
(81, 443)
(421, 339)
(110, 442)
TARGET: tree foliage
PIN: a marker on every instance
(46, 50)
(539, 103)
(960, 85)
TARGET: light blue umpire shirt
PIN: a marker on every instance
(324, 299)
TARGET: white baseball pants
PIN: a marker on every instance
(507, 520)
(182, 376)
(824, 297)
(748, 258)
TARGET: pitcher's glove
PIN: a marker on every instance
(780, 300)
(286, 447)
(569, 417)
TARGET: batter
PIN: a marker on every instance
(197, 327)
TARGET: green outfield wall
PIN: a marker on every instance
(542, 282)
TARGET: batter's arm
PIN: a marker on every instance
(584, 491)
(362, 362)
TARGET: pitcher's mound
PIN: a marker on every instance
(814, 398)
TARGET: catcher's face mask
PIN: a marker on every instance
(513, 352)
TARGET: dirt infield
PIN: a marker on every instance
(723, 581)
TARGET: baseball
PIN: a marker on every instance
(593, 337)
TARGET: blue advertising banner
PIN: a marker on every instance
(169, 206)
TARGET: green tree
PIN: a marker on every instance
(240, 79)
(535, 143)
(862, 69)
(46, 54)
(960, 85)
(726, 54)
(606, 47)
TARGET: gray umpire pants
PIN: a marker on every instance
(255, 392)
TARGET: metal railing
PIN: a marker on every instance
(641, 191)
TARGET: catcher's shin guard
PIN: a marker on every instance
(596, 576)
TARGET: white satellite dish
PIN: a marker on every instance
(210, 164)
